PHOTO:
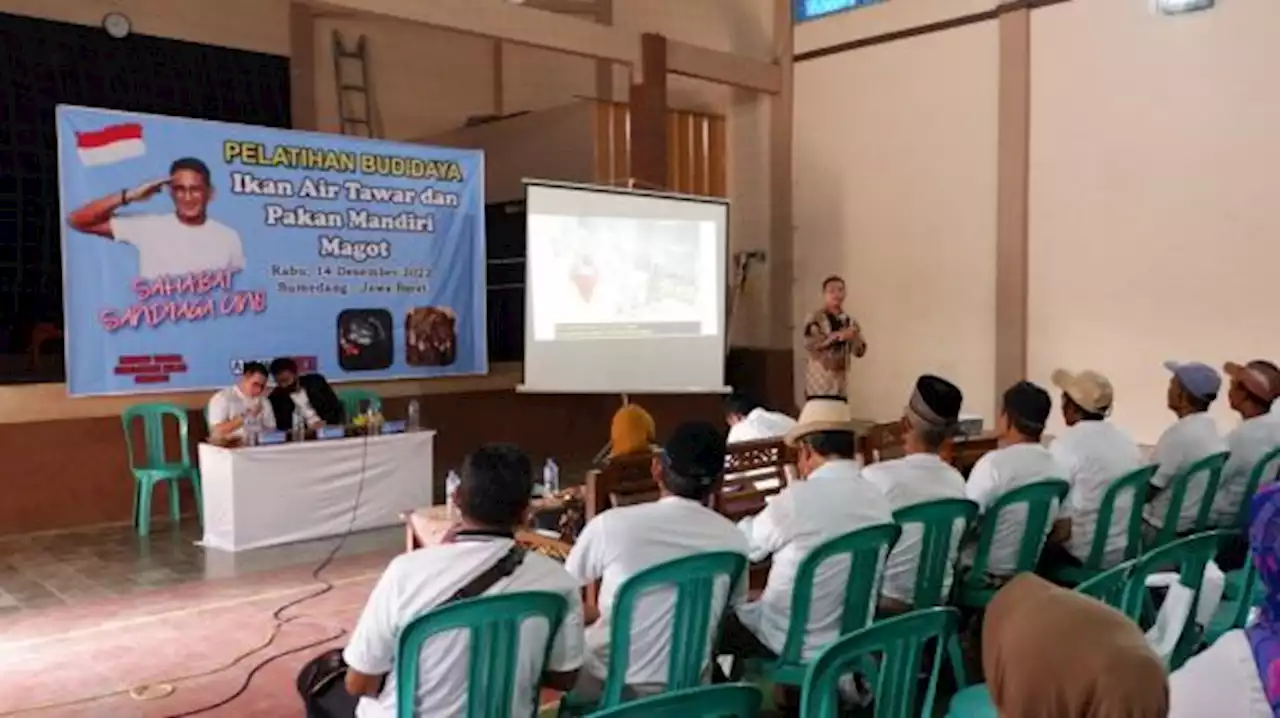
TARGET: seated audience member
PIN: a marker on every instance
(830, 499)
(1192, 388)
(1239, 675)
(1272, 373)
(920, 476)
(1020, 460)
(1049, 652)
(1094, 453)
(632, 432)
(229, 408)
(307, 394)
(1251, 394)
(623, 541)
(749, 421)
(492, 499)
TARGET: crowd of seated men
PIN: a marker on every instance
(834, 495)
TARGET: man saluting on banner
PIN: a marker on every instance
(168, 244)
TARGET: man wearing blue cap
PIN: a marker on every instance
(1192, 388)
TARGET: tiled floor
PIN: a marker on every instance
(92, 614)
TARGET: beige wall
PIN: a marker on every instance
(895, 189)
(1153, 222)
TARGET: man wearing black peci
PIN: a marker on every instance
(309, 395)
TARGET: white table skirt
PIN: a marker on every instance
(270, 495)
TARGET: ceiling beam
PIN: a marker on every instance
(723, 67)
(504, 21)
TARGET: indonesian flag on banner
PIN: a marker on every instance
(111, 144)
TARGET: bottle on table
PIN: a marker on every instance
(252, 427)
(299, 425)
(413, 422)
(451, 483)
(551, 477)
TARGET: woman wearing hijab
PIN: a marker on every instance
(1239, 675)
(1052, 653)
(632, 432)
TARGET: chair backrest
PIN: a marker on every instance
(753, 471)
(1267, 468)
(1133, 483)
(1040, 499)
(938, 550)
(693, 580)
(623, 481)
(153, 438)
(355, 401)
(1188, 557)
(867, 549)
(1109, 586)
(1246, 601)
(493, 624)
(730, 700)
(900, 644)
(1211, 466)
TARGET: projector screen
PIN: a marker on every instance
(625, 291)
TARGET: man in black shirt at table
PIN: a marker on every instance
(309, 394)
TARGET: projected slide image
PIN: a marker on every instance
(621, 277)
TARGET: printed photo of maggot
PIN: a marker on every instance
(430, 336)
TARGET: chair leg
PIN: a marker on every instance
(955, 656)
(195, 486)
(137, 496)
(175, 502)
(144, 507)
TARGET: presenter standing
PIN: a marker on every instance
(830, 337)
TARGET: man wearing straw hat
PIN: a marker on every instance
(1251, 394)
(830, 498)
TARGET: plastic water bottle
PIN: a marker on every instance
(252, 427)
(414, 419)
(451, 483)
(299, 425)
(551, 477)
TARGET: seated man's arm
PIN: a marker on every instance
(585, 562)
(1070, 506)
(1165, 457)
(568, 649)
(371, 654)
(221, 423)
(770, 530)
(324, 400)
(982, 489)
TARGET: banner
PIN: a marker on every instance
(191, 247)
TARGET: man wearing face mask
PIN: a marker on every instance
(308, 395)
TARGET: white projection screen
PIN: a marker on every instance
(624, 291)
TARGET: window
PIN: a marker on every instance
(814, 9)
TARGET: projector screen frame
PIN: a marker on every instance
(723, 389)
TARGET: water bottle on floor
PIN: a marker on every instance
(451, 483)
(551, 477)
(414, 420)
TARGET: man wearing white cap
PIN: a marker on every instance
(1095, 453)
(1194, 436)
(831, 498)
(1251, 395)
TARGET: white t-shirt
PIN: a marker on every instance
(911, 480)
(622, 542)
(416, 582)
(231, 403)
(1221, 682)
(1095, 454)
(834, 500)
(1190, 439)
(167, 247)
(761, 424)
(996, 474)
(1248, 443)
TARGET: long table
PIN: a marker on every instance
(269, 495)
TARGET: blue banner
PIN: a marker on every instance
(190, 247)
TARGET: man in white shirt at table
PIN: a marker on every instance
(931, 415)
(830, 499)
(1095, 454)
(749, 420)
(1194, 436)
(244, 402)
(624, 541)
(1020, 460)
(1251, 395)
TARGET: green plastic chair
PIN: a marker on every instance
(1109, 586)
(691, 640)
(356, 401)
(1134, 482)
(1210, 465)
(156, 467)
(1040, 498)
(972, 702)
(1233, 613)
(899, 643)
(493, 625)
(1234, 588)
(938, 550)
(730, 700)
(867, 549)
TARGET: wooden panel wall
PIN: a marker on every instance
(696, 150)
